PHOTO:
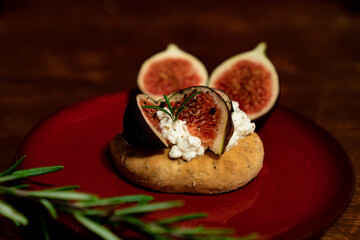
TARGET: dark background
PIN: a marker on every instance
(57, 53)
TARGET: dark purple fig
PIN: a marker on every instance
(141, 126)
(207, 116)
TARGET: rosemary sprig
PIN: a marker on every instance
(172, 114)
(13, 167)
(10, 212)
(100, 215)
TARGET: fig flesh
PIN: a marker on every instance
(250, 79)
(206, 114)
(169, 71)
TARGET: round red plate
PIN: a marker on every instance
(306, 182)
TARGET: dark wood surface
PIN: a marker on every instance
(57, 53)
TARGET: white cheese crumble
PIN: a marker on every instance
(242, 126)
(183, 144)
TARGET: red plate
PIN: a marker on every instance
(306, 182)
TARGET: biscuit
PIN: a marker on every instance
(206, 174)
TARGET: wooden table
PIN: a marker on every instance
(54, 54)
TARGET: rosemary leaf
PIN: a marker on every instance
(169, 105)
(50, 207)
(115, 200)
(178, 113)
(13, 167)
(63, 188)
(38, 171)
(181, 218)
(148, 208)
(21, 186)
(186, 100)
(96, 228)
(149, 228)
(204, 231)
(62, 195)
(189, 231)
(93, 212)
(44, 227)
(145, 199)
(158, 108)
(217, 231)
(181, 108)
(29, 173)
(69, 207)
(10, 212)
(8, 190)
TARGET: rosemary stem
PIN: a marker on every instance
(174, 116)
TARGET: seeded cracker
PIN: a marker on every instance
(207, 174)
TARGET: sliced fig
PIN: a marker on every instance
(250, 79)
(169, 71)
(207, 116)
(141, 126)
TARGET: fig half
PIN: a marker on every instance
(206, 114)
(140, 125)
(250, 79)
(169, 71)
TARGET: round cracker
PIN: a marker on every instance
(207, 174)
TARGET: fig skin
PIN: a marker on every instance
(226, 98)
(137, 131)
(256, 56)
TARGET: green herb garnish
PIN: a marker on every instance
(101, 215)
(172, 114)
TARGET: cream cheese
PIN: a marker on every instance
(182, 143)
(242, 126)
